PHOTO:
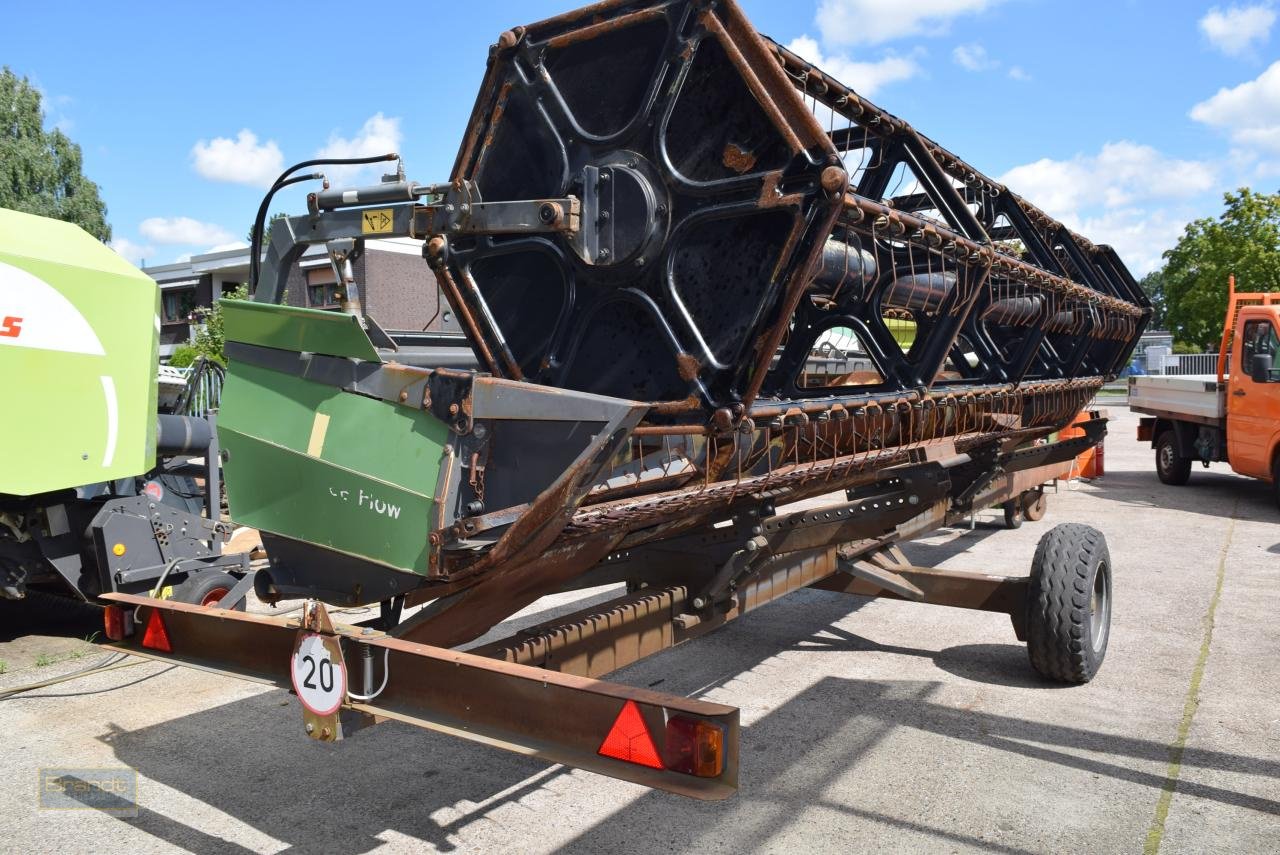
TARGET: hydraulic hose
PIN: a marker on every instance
(259, 222)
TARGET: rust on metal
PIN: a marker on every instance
(737, 158)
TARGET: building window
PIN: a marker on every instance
(178, 304)
(229, 288)
(323, 291)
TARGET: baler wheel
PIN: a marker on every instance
(1068, 618)
(207, 589)
(1014, 513)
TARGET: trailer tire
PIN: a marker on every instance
(1013, 513)
(1068, 617)
(1035, 504)
(206, 588)
(1171, 466)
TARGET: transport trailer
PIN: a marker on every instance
(646, 231)
(539, 692)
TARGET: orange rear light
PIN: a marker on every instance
(156, 637)
(695, 747)
(117, 622)
(629, 739)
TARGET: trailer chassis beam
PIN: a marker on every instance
(559, 718)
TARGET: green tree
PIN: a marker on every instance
(1244, 241)
(1154, 286)
(210, 338)
(266, 230)
(40, 171)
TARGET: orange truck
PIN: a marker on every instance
(1233, 415)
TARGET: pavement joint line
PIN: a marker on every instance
(1155, 832)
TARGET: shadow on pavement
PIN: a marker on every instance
(1210, 493)
(251, 760)
(791, 756)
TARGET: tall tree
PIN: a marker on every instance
(1244, 241)
(266, 229)
(40, 171)
(1153, 285)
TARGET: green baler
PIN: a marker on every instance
(79, 327)
(91, 497)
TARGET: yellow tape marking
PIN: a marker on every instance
(319, 427)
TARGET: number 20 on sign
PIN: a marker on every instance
(319, 674)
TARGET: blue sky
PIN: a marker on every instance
(1125, 118)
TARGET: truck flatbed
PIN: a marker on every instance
(1192, 397)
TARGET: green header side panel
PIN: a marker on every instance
(292, 328)
(79, 330)
(340, 470)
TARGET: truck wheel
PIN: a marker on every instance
(1035, 504)
(1068, 618)
(1171, 466)
(206, 588)
(1275, 480)
(1013, 513)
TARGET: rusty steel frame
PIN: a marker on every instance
(562, 718)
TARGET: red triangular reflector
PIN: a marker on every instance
(156, 637)
(629, 739)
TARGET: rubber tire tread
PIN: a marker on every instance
(1061, 585)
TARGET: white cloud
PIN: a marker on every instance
(378, 135)
(132, 252)
(1139, 236)
(240, 161)
(869, 22)
(1237, 29)
(865, 78)
(973, 57)
(1250, 112)
(1120, 174)
(1127, 195)
(183, 230)
(1016, 72)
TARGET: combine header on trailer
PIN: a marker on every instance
(703, 280)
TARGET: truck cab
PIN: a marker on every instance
(1253, 393)
(1233, 416)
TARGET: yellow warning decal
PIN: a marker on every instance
(376, 221)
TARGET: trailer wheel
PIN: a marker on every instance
(1068, 618)
(1171, 466)
(1013, 513)
(207, 588)
(1035, 504)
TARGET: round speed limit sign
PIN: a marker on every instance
(321, 682)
